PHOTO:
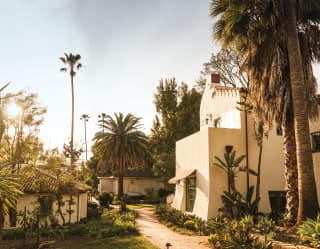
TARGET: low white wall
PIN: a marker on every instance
(131, 185)
(30, 202)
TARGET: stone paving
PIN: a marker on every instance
(159, 234)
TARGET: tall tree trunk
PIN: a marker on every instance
(247, 146)
(72, 122)
(120, 185)
(1, 219)
(308, 201)
(60, 203)
(291, 170)
(259, 175)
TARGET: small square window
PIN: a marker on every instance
(315, 141)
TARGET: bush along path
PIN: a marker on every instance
(161, 236)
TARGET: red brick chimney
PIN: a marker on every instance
(215, 78)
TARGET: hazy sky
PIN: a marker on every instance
(127, 46)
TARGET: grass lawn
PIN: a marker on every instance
(122, 242)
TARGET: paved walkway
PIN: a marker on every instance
(159, 234)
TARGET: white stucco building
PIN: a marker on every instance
(199, 184)
(39, 193)
(135, 183)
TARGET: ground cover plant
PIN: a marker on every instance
(111, 223)
(176, 219)
(309, 231)
(240, 234)
(132, 242)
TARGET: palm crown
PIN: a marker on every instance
(72, 61)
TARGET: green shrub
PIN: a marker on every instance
(77, 230)
(309, 231)
(151, 196)
(179, 218)
(235, 234)
(105, 199)
(190, 225)
(267, 227)
(93, 211)
(15, 233)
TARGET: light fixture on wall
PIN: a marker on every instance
(228, 148)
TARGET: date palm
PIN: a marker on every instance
(72, 63)
(122, 145)
(256, 29)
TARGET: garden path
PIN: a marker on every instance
(159, 235)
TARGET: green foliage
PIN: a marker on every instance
(236, 206)
(105, 199)
(151, 196)
(76, 151)
(91, 172)
(132, 242)
(122, 145)
(111, 223)
(93, 211)
(227, 63)
(177, 117)
(15, 233)
(235, 234)
(179, 218)
(190, 225)
(45, 205)
(267, 227)
(231, 165)
(20, 143)
(309, 231)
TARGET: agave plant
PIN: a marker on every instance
(309, 231)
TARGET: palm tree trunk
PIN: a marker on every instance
(120, 185)
(308, 202)
(1, 219)
(72, 123)
(291, 171)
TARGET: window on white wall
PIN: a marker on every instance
(190, 193)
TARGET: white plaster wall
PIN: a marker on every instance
(192, 152)
(272, 169)
(106, 184)
(131, 185)
(231, 119)
(30, 202)
(218, 139)
(217, 102)
(136, 185)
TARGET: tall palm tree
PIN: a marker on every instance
(255, 29)
(308, 203)
(85, 118)
(72, 62)
(102, 116)
(122, 145)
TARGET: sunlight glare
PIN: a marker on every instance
(13, 110)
